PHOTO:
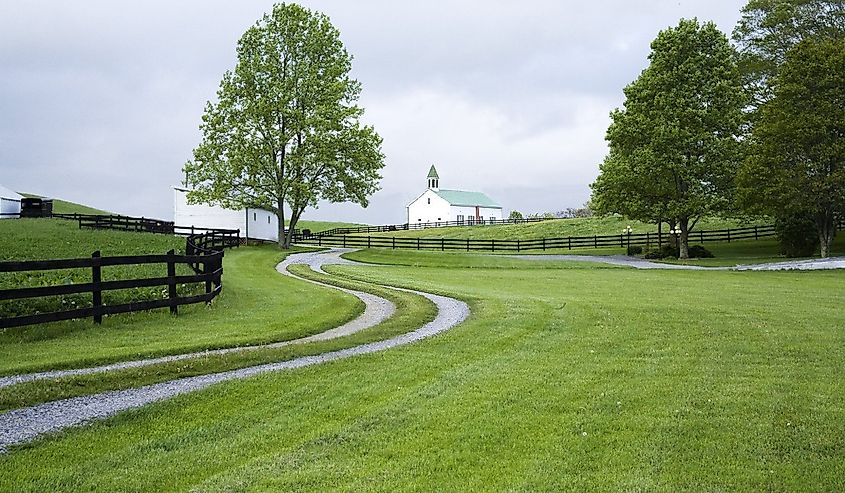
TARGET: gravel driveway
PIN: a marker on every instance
(22, 425)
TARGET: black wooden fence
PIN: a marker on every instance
(520, 245)
(203, 254)
(438, 224)
(208, 269)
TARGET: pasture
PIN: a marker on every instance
(567, 376)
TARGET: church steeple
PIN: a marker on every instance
(433, 179)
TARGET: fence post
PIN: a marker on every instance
(569, 242)
(621, 241)
(394, 243)
(344, 241)
(517, 245)
(442, 244)
(368, 241)
(418, 243)
(729, 235)
(755, 233)
(493, 245)
(467, 244)
(96, 289)
(171, 281)
(544, 243)
(701, 235)
(595, 241)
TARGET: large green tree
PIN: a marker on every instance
(797, 158)
(768, 29)
(674, 147)
(285, 130)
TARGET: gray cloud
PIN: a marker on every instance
(100, 101)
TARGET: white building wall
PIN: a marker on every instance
(466, 212)
(429, 208)
(9, 208)
(254, 223)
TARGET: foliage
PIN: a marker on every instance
(698, 251)
(515, 215)
(674, 146)
(797, 148)
(570, 212)
(286, 130)
(768, 29)
(666, 250)
(634, 250)
(797, 235)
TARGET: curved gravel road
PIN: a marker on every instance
(22, 425)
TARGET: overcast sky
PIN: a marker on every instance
(100, 101)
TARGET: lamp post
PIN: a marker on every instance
(676, 236)
(627, 231)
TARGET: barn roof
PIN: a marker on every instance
(5, 193)
(467, 199)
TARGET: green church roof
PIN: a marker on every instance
(432, 173)
(467, 199)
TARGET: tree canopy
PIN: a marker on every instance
(285, 130)
(797, 158)
(674, 147)
(768, 29)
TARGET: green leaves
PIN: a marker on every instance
(674, 147)
(285, 128)
(797, 159)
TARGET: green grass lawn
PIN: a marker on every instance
(557, 228)
(257, 305)
(576, 379)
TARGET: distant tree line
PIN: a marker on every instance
(755, 127)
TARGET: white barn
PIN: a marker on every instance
(10, 203)
(437, 205)
(255, 224)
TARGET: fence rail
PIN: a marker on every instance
(203, 254)
(209, 270)
(520, 245)
(415, 226)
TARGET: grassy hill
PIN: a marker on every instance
(64, 207)
(558, 228)
(317, 226)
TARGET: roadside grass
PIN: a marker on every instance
(413, 258)
(412, 311)
(563, 379)
(557, 228)
(257, 306)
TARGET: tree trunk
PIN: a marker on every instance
(683, 240)
(826, 231)
(280, 215)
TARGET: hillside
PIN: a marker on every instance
(558, 228)
(317, 226)
(64, 207)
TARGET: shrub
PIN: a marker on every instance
(634, 250)
(797, 235)
(698, 251)
(667, 250)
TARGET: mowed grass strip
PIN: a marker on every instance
(563, 379)
(257, 306)
(412, 311)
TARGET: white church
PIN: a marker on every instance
(437, 205)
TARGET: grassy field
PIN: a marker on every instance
(572, 378)
(257, 305)
(317, 226)
(557, 228)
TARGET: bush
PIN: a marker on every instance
(634, 250)
(797, 235)
(698, 251)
